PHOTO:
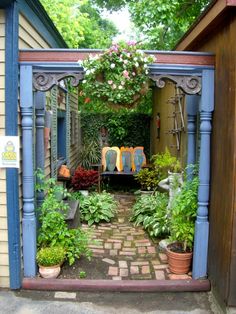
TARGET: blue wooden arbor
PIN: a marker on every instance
(40, 70)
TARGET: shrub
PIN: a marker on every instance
(147, 178)
(165, 162)
(53, 231)
(98, 207)
(151, 212)
(184, 210)
(84, 179)
(50, 256)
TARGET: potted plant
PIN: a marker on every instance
(166, 164)
(148, 179)
(182, 220)
(84, 179)
(49, 260)
(118, 76)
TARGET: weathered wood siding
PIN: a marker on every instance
(222, 211)
(4, 261)
(162, 105)
(29, 37)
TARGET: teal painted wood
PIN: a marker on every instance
(54, 91)
(192, 103)
(202, 224)
(40, 102)
(11, 120)
(68, 126)
(29, 219)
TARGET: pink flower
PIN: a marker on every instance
(114, 86)
(133, 73)
(110, 82)
(131, 43)
(126, 74)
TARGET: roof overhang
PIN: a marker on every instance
(5, 3)
(205, 24)
(176, 58)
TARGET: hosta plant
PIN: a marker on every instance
(151, 212)
(98, 207)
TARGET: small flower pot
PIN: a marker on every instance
(179, 263)
(49, 271)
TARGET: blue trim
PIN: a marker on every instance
(36, 14)
(11, 103)
(61, 134)
(5, 3)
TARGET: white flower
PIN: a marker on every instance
(135, 58)
(125, 61)
(88, 72)
(145, 66)
(120, 87)
(84, 81)
(137, 64)
(112, 65)
(146, 72)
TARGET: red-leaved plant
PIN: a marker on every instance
(84, 179)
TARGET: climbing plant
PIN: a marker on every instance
(124, 128)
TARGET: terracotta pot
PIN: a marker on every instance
(179, 263)
(49, 271)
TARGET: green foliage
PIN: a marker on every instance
(53, 229)
(119, 75)
(184, 209)
(148, 178)
(124, 129)
(151, 212)
(50, 256)
(161, 22)
(76, 196)
(90, 153)
(82, 274)
(164, 162)
(98, 207)
(80, 23)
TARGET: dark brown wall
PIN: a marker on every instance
(222, 212)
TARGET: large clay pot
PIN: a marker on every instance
(49, 271)
(179, 263)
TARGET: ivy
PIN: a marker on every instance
(124, 128)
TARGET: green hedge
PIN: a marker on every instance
(124, 129)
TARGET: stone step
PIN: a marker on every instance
(73, 214)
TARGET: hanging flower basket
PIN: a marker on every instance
(119, 76)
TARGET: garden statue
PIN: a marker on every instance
(172, 184)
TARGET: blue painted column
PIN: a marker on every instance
(192, 109)
(202, 225)
(40, 102)
(29, 219)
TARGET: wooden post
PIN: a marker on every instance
(29, 219)
(40, 101)
(202, 224)
(192, 109)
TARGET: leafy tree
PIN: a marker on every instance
(80, 24)
(161, 23)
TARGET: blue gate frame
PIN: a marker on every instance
(196, 81)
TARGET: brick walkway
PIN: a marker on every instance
(127, 250)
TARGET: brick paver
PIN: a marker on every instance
(127, 251)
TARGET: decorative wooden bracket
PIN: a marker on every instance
(44, 81)
(189, 84)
